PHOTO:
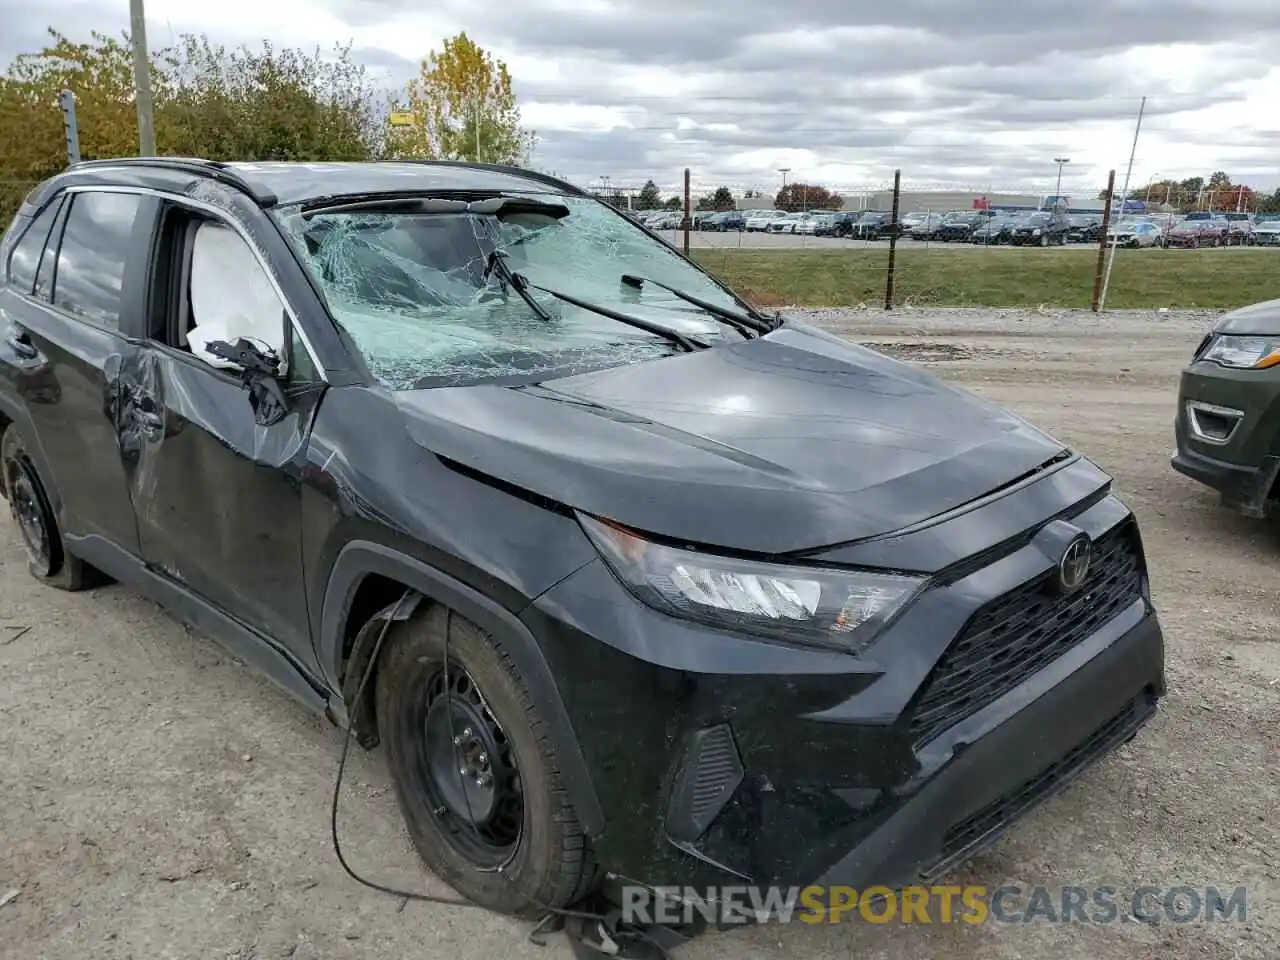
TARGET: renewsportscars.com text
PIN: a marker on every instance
(933, 904)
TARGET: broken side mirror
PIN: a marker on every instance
(259, 368)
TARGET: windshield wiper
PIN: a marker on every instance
(742, 322)
(516, 281)
(688, 344)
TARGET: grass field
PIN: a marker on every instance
(998, 278)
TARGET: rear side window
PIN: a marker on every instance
(91, 260)
(25, 259)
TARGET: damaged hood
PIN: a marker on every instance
(789, 442)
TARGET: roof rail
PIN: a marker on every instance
(510, 170)
(214, 169)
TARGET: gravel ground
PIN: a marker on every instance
(161, 801)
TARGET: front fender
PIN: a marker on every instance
(361, 558)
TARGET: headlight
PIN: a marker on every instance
(1255, 353)
(1035, 232)
(842, 610)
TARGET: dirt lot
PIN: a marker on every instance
(160, 801)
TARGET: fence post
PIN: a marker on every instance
(71, 131)
(893, 241)
(688, 213)
(1102, 242)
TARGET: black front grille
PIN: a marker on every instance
(1015, 635)
(982, 828)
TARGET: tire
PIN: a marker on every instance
(536, 855)
(32, 511)
(1044, 239)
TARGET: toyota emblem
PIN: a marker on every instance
(1073, 568)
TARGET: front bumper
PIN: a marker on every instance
(1266, 239)
(1237, 455)
(970, 802)
(720, 760)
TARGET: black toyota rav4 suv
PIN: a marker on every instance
(645, 583)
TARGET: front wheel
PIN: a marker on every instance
(474, 771)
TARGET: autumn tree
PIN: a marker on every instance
(649, 197)
(807, 196)
(464, 108)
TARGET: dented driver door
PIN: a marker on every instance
(217, 494)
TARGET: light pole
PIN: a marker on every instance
(142, 79)
(784, 171)
(1057, 196)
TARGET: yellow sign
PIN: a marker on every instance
(402, 118)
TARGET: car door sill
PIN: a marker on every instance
(240, 640)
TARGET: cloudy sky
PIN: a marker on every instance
(964, 94)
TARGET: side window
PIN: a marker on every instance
(229, 295)
(49, 259)
(25, 259)
(91, 260)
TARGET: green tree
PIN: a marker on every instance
(723, 199)
(674, 203)
(649, 197)
(209, 102)
(464, 108)
(265, 105)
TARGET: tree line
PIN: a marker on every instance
(794, 196)
(1218, 192)
(247, 103)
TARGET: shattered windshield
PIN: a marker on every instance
(415, 289)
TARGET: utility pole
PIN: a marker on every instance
(1057, 196)
(142, 79)
(1124, 199)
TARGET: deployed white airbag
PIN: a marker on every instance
(231, 296)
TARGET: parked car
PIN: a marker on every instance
(461, 459)
(730, 220)
(1084, 228)
(927, 226)
(995, 230)
(1228, 410)
(1042, 229)
(909, 221)
(958, 228)
(760, 219)
(837, 224)
(1266, 231)
(1135, 233)
(871, 225)
(1239, 229)
(788, 223)
(1198, 232)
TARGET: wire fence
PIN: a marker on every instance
(963, 248)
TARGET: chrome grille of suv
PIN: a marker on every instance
(1019, 633)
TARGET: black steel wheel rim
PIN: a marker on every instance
(468, 771)
(29, 513)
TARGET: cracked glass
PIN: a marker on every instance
(412, 290)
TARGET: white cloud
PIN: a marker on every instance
(977, 94)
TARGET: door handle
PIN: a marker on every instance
(20, 342)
